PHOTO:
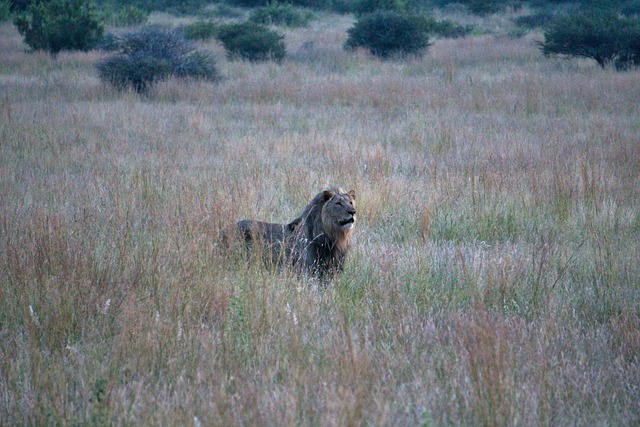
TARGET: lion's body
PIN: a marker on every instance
(318, 240)
(276, 242)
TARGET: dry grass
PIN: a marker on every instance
(495, 278)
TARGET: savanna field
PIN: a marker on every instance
(494, 278)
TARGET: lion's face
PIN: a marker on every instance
(339, 211)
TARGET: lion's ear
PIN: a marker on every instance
(327, 195)
(352, 194)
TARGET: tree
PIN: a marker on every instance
(387, 32)
(58, 25)
(602, 35)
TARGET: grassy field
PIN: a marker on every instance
(495, 275)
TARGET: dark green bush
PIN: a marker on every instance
(602, 35)
(365, 7)
(630, 57)
(248, 3)
(388, 33)
(200, 30)
(172, 6)
(223, 10)
(148, 56)
(5, 10)
(281, 14)
(631, 8)
(481, 7)
(319, 4)
(447, 28)
(58, 25)
(252, 41)
(20, 5)
(486, 7)
(536, 20)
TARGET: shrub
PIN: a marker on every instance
(313, 4)
(109, 43)
(200, 30)
(536, 20)
(631, 8)
(281, 14)
(630, 57)
(486, 7)
(364, 7)
(447, 28)
(5, 10)
(481, 7)
(148, 56)
(386, 33)
(223, 10)
(252, 41)
(249, 3)
(59, 25)
(128, 16)
(173, 6)
(602, 35)
(20, 5)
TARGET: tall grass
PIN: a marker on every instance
(494, 278)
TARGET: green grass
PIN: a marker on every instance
(494, 278)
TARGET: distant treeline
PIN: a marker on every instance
(627, 7)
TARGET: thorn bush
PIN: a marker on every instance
(148, 56)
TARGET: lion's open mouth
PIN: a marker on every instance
(348, 223)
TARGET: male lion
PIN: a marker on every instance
(317, 240)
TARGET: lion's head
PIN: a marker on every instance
(338, 213)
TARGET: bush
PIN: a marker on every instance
(602, 35)
(200, 30)
(20, 5)
(59, 25)
(536, 20)
(486, 7)
(387, 33)
(5, 10)
(128, 16)
(148, 56)
(252, 41)
(364, 7)
(248, 3)
(631, 8)
(281, 14)
(172, 6)
(312, 4)
(223, 10)
(109, 43)
(481, 7)
(447, 28)
(630, 57)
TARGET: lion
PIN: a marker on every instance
(317, 241)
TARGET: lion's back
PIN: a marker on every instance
(273, 241)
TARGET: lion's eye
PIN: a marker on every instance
(339, 203)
